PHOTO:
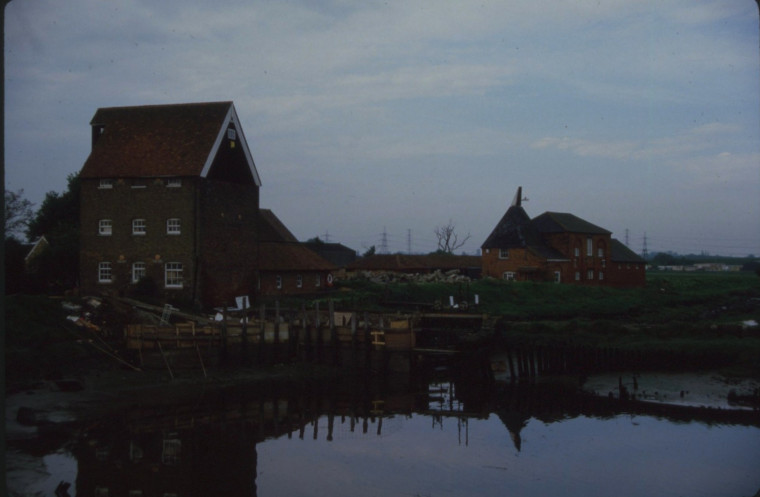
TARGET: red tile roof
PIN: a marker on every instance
(288, 256)
(155, 140)
(279, 250)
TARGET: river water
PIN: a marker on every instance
(431, 437)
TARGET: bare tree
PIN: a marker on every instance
(18, 213)
(448, 240)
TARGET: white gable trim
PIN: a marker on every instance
(231, 118)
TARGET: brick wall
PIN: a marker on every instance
(289, 282)
(153, 202)
(228, 240)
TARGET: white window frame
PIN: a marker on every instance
(105, 184)
(557, 276)
(105, 227)
(503, 253)
(171, 452)
(577, 276)
(173, 275)
(278, 282)
(173, 226)
(105, 272)
(139, 227)
(590, 274)
(318, 280)
(139, 271)
(174, 183)
(601, 275)
(590, 247)
(600, 251)
(508, 276)
(577, 251)
(231, 134)
(299, 281)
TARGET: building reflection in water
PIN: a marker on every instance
(207, 446)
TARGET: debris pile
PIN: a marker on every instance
(437, 276)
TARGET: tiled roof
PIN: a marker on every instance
(289, 256)
(272, 229)
(279, 250)
(337, 253)
(561, 222)
(620, 253)
(155, 140)
(513, 230)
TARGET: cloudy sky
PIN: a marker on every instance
(374, 122)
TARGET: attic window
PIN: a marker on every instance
(105, 183)
(231, 134)
(503, 253)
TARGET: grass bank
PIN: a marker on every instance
(696, 317)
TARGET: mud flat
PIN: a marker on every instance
(708, 389)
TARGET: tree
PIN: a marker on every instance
(58, 219)
(448, 240)
(18, 213)
(369, 252)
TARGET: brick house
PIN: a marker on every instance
(559, 247)
(287, 266)
(170, 193)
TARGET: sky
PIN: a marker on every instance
(373, 123)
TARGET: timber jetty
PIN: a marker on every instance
(384, 341)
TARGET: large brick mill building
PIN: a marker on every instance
(170, 193)
(559, 247)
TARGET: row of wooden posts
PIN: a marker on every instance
(526, 362)
(305, 335)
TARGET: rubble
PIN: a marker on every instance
(437, 276)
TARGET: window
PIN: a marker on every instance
(172, 451)
(509, 276)
(600, 251)
(174, 183)
(231, 134)
(105, 227)
(318, 281)
(590, 274)
(172, 226)
(577, 276)
(601, 276)
(589, 246)
(278, 282)
(104, 272)
(138, 271)
(138, 227)
(557, 276)
(299, 281)
(503, 253)
(173, 275)
(105, 184)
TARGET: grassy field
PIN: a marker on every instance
(698, 315)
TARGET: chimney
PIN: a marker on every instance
(517, 201)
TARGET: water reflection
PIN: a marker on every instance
(433, 437)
